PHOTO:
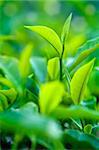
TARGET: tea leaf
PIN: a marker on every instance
(6, 82)
(10, 94)
(6, 37)
(3, 102)
(9, 66)
(85, 50)
(50, 96)
(79, 81)
(88, 129)
(24, 60)
(28, 122)
(65, 30)
(49, 35)
(79, 140)
(75, 112)
(39, 65)
(53, 68)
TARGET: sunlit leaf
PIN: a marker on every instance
(50, 96)
(53, 68)
(24, 60)
(48, 34)
(84, 51)
(79, 81)
(65, 30)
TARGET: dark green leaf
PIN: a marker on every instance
(26, 122)
(79, 140)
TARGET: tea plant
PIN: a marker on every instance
(44, 103)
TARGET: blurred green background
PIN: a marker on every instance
(14, 14)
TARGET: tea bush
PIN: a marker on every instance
(49, 103)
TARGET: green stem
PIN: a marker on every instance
(61, 67)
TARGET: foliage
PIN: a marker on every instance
(42, 100)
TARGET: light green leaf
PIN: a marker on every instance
(88, 129)
(6, 37)
(65, 31)
(85, 50)
(24, 60)
(28, 108)
(9, 66)
(6, 82)
(3, 102)
(10, 94)
(79, 81)
(50, 96)
(53, 68)
(49, 35)
(75, 112)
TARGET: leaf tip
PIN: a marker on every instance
(28, 27)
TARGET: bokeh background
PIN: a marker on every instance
(14, 14)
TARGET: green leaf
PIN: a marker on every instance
(76, 112)
(49, 35)
(79, 81)
(25, 121)
(79, 140)
(24, 60)
(6, 82)
(9, 66)
(39, 65)
(11, 94)
(85, 50)
(50, 96)
(90, 103)
(93, 83)
(95, 130)
(3, 102)
(53, 68)
(29, 107)
(65, 31)
(6, 37)
(88, 129)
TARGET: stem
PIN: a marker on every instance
(82, 124)
(61, 67)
